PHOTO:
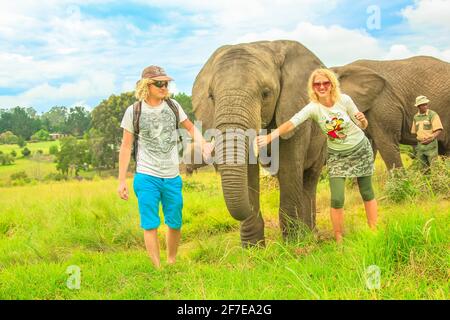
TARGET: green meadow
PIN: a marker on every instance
(47, 230)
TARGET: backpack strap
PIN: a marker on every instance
(174, 108)
(137, 107)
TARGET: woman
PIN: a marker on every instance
(349, 151)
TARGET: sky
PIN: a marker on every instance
(68, 53)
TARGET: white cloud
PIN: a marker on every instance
(334, 45)
(428, 14)
(96, 85)
(401, 51)
(55, 54)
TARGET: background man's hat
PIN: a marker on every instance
(155, 73)
(421, 100)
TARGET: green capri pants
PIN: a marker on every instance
(337, 188)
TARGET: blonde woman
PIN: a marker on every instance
(349, 151)
(157, 179)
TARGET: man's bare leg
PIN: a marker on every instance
(173, 240)
(152, 245)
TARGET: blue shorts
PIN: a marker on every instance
(150, 191)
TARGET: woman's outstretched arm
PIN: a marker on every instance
(264, 140)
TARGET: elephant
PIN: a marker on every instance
(260, 85)
(386, 90)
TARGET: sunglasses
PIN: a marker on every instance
(325, 84)
(161, 84)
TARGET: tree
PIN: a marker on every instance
(55, 119)
(24, 122)
(105, 135)
(21, 142)
(74, 155)
(186, 103)
(78, 121)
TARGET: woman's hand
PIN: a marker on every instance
(263, 140)
(361, 118)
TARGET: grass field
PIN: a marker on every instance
(46, 228)
(32, 146)
(36, 168)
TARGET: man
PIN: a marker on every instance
(427, 125)
(157, 176)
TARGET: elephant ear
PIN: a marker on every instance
(202, 104)
(296, 65)
(361, 83)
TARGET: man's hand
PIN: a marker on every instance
(427, 140)
(123, 190)
(263, 140)
(207, 149)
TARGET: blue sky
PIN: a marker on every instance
(66, 52)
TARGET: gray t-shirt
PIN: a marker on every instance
(157, 140)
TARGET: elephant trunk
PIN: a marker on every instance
(232, 120)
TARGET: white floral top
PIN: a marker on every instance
(337, 122)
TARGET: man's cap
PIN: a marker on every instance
(155, 73)
(421, 100)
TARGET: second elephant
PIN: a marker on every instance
(386, 90)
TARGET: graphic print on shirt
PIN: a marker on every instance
(157, 131)
(336, 127)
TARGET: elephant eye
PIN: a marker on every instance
(211, 96)
(266, 93)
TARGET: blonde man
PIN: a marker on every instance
(349, 151)
(157, 179)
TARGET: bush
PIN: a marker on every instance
(53, 150)
(405, 184)
(55, 176)
(26, 152)
(399, 185)
(41, 135)
(6, 159)
(20, 175)
(8, 138)
(14, 153)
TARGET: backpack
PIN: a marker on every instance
(137, 108)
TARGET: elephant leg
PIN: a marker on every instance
(387, 143)
(296, 210)
(311, 178)
(252, 228)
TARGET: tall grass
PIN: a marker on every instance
(48, 227)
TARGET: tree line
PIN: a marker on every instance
(21, 123)
(93, 138)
